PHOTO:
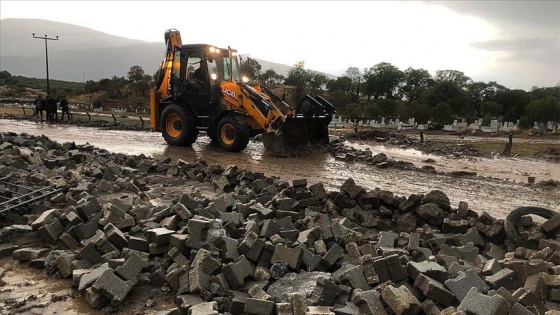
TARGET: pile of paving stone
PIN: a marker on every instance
(342, 152)
(267, 246)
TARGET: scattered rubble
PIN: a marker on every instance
(404, 141)
(260, 245)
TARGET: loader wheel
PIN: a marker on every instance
(177, 126)
(232, 134)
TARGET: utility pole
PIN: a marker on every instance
(46, 56)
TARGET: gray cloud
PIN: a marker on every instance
(541, 15)
(519, 44)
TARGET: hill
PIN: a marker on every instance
(81, 53)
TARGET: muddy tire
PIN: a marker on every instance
(232, 134)
(515, 215)
(177, 126)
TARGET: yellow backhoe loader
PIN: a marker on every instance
(200, 87)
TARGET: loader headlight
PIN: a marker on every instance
(244, 79)
(213, 76)
(214, 50)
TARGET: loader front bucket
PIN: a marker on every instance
(297, 130)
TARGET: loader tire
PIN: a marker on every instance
(232, 134)
(514, 216)
(177, 126)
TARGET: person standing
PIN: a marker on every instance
(65, 109)
(39, 103)
(51, 109)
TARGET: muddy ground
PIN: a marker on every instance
(499, 188)
(501, 184)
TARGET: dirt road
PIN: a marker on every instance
(498, 189)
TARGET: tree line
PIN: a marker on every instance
(382, 90)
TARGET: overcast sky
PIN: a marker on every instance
(516, 43)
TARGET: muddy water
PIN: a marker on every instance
(27, 290)
(498, 196)
(514, 169)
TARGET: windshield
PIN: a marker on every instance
(235, 67)
(219, 64)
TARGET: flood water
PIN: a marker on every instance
(500, 193)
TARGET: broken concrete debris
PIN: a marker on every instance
(260, 245)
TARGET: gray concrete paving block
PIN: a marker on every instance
(64, 264)
(45, 218)
(477, 303)
(291, 256)
(396, 270)
(86, 230)
(330, 258)
(88, 208)
(352, 275)
(132, 267)
(325, 292)
(204, 260)
(138, 243)
(90, 254)
(461, 285)
(401, 300)
(259, 307)
(27, 254)
(236, 272)
(112, 287)
(228, 248)
(471, 236)
(51, 230)
(434, 290)
(427, 268)
(504, 278)
(159, 236)
(369, 303)
(87, 279)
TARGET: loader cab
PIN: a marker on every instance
(202, 68)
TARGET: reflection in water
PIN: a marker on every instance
(389, 150)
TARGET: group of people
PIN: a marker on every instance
(50, 106)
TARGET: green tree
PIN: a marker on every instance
(91, 87)
(251, 68)
(355, 78)
(339, 99)
(513, 103)
(442, 113)
(98, 103)
(299, 78)
(383, 80)
(455, 76)
(450, 93)
(540, 93)
(317, 80)
(382, 107)
(271, 78)
(481, 92)
(343, 84)
(416, 83)
(544, 110)
(5, 75)
(135, 74)
(492, 109)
